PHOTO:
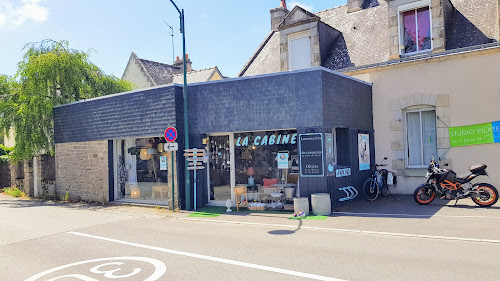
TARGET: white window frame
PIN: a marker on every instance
(409, 7)
(417, 109)
(295, 36)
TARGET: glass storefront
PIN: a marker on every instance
(256, 156)
(261, 159)
(142, 168)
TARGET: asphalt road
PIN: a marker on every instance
(389, 239)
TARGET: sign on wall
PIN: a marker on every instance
(311, 155)
(364, 151)
(475, 134)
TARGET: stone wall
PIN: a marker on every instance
(82, 171)
(4, 174)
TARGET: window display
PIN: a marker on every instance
(139, 174)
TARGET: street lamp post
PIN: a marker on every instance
(184, 91)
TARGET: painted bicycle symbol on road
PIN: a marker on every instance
(116, 268)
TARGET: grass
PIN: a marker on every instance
(311, 217)
(14, 192)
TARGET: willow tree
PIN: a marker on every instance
(50, 74)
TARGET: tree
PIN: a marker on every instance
(50, 74)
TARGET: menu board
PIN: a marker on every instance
(311, 155)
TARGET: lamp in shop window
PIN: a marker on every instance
(144, 154)
(251, 172)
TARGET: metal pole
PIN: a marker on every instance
(173, 183)
(184, 91)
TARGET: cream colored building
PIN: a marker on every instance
(434, 64)
(145, 73)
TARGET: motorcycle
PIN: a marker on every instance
(452, 186)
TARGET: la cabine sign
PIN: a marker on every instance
(267, 140)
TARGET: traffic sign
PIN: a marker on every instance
(196, 168)
(188, 154)
(195, 163)
(171, 146)
(171, 134)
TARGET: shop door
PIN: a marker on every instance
(220, 168)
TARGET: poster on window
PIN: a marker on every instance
(163, 163)
(282, 158)
(364, 151)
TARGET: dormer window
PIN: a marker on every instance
(415, 28)
(299, 50)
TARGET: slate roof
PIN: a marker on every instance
(197, 76)
(364, 39)
(160, 73)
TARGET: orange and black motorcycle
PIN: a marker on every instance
(452, 186)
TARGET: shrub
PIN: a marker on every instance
(14, 192)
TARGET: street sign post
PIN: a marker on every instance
(170, 137)
(194, 157)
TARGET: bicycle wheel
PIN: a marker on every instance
(384, 189)
(371, 189)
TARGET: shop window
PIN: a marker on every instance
(140, 175)
(415, 28)
(421, 136)
(299, 51)
(256, 157)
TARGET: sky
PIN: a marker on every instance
(223, 33)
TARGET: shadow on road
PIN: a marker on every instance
(285, 232)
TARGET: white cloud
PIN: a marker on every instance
(295, 3)
(27, 10)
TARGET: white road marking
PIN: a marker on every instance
(210, 258)
(417, 216)
(160, 269)
(353, 231)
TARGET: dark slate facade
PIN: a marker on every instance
(311, 100)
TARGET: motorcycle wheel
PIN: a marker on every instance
(488, 193)
(424, 194)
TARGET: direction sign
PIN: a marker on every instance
(195, 163)
(196, 168)
(188, 154)
(171, 134)
(191, 159)
(194, 150)
(171, 146)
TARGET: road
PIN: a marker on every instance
(381, 240)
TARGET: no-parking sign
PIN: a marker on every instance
(171, 134)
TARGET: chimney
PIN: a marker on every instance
(178, 62)
(278, 14)
(354, 5)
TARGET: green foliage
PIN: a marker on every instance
(14, 192)
(50, 74)
(4, 153)
(66, 196)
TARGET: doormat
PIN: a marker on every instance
(311, 217)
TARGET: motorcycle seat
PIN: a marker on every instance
(463, 176)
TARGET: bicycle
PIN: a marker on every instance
(377, 183)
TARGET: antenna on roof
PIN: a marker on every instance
(171, 33)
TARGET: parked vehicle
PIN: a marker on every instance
(379, 182)
(451, 186)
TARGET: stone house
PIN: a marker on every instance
(145, 73)
(433, 65)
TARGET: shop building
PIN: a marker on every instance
(111, 148)
(433, 65)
